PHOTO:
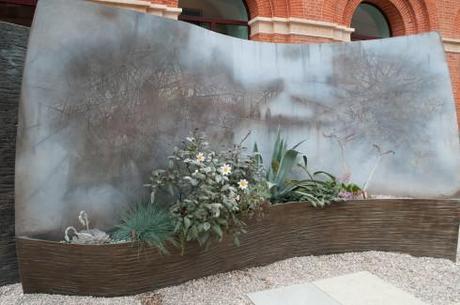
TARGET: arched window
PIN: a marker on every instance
(228, 17)
(369, 22)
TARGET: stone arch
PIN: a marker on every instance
(427, 15)
(405, 16)
(400, 19)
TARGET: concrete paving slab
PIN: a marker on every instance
(303, 294)
(364, 288)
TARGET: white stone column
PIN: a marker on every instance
(301, 27)
(451, 45)
(144, 7)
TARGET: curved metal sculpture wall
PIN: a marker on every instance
(417, 227)
(107, 93)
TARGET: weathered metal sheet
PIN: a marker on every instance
(412, 226)
(107, 93)
(13, 43)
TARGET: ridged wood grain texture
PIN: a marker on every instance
(416, 227)
(13, 44)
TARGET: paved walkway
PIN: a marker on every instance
(361, 288)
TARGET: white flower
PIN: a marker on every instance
(226, 169)
(237, 198)
(200, 157)
(195, 172)
(190, 139)
(243, 184)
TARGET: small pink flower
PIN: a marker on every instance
(346, 195)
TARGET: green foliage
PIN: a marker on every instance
(210, 192)
(149, 223)
(282, 162)
(319, 188)
(319, 191)
(323, 188)
(351, 188)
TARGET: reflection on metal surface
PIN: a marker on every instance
(107, 94)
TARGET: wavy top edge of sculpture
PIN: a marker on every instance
(107, 92)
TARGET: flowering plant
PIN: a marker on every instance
(210, 192)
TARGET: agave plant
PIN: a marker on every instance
(149, 223)
(319, 188)
(282, 162)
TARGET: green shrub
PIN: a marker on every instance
(210, 192)
(149, 223)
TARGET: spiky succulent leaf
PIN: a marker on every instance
(288, 160)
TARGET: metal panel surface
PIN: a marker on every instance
(426, 228)
(108, 93)
(13, 45)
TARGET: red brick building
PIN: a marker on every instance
(300, 21)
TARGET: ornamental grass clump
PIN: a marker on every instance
(149, 223)
(210, 192)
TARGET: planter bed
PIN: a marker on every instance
(412, 226)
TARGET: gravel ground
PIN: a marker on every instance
(435, 281)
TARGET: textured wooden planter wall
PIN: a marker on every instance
(13, 44)
(417, 227)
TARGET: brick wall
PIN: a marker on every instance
(454, 65)
(173, 3)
